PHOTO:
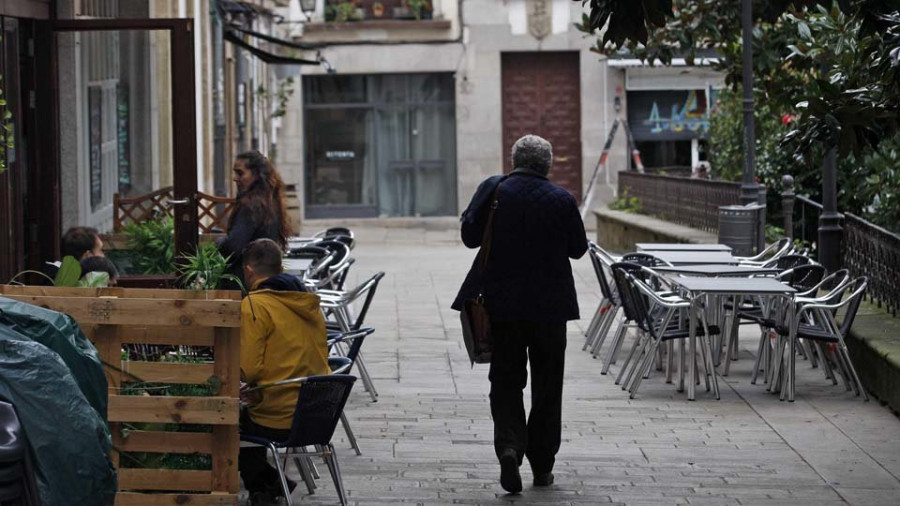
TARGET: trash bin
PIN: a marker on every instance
(739, 228)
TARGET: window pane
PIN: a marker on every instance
(388, 88)
(431, 88)
(341, 169)
(335, 89)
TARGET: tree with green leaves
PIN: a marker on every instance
(826, 75)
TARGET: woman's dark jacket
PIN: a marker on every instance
(248, 225)
(537, 228)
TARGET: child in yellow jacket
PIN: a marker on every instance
(283, 336)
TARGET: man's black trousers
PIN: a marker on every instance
(255, 470)
(514, 344)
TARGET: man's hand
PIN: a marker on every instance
(249, 398)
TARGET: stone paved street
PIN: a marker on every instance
(428, 438)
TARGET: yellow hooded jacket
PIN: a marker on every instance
(283, 336)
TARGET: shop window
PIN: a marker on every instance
(380, 145)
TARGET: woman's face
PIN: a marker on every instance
(243, 177)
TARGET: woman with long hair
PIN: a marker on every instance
(259, 210)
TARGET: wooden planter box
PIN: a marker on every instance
(111, 317)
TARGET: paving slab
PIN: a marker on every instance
(428, 438)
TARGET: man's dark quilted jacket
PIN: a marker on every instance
(537, 228)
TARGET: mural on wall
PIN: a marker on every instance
(669, 115)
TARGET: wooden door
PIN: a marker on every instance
(542, 96)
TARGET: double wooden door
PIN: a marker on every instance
(542, 96)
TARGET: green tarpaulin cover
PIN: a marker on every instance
(69, 440)
(59, 332)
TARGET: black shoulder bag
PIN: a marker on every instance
(476, 323)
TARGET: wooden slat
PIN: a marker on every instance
(227, 369)
(210, 410)
(214, 499)
(115, 291)
(167, 372)
(166, 442)
(173, 336)
(152, 312)
(226, 442)
(164, 479)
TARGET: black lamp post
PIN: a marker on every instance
(830, 220)
(749, 188)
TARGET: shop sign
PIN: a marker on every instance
(340, 155)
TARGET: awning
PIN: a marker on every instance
(266, 56)
(276, 40)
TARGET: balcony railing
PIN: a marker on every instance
(374, 10)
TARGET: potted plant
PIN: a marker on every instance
(403, 11)
(340, 12)
(418, 8)
(378, 9)
(205, 269)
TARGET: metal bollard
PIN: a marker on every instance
(787, 205)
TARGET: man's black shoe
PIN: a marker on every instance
(276, 490)
(262, 499)
(543, 479)
(510, 479)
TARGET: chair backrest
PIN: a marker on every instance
(599, 267)
(320, 403)
(621, 273)
(367, 288)
(645, 259)
(355, 338)
(857, 290)
(804, 277)
(785, 262)
(341, 251)
(339, 365)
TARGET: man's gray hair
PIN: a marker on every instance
(533, 153)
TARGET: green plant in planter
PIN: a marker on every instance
(341, 12)
(69, 274)
(205, 269)
(418, 7)
(153, 242)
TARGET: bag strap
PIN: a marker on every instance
(486, 239)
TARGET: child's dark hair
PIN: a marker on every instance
(99, 264)
(264, 255)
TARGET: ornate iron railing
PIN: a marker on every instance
(866, 250)
(806, 221)
(691, 202)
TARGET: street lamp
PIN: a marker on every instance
(308, 6)
(749, 188)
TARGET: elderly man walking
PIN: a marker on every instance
(529, 293)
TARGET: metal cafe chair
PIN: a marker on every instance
(320, 403)
(815, 320)
(338, 304)
(834, 283)
(609, 303)
(777, 249)
(342, 364)
(753, 310)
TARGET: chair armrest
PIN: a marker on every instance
(292, 381)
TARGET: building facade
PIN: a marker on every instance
(410, 115)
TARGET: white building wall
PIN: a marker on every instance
(489, 28)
